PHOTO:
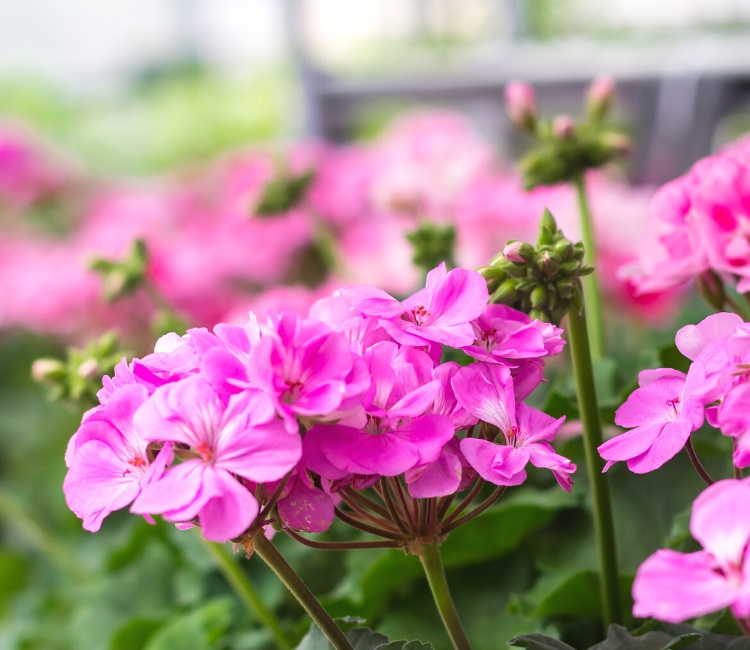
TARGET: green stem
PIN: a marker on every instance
(594, 315)
(697, 465)
(433, 568)
(275, 560)
(592, 438)
(242, 586)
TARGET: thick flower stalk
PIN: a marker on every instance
(292, 422)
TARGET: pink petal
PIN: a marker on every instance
(97, 484)
(691, 339)
(674, 587)
(372, 301)
(667, 445)
(631, 443)
(460, 297)
(441, 478)
(427, 435)
(650, 403)
(230, 513)
(720, 521)
(495, 463)
(307, 509)
(486, 391)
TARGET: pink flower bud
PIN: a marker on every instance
(599, 96)
(518, 252)
(521, 104)
(564, 126)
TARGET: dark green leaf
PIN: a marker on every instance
(538, 642)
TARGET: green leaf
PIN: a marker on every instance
(683, 641)
(538, 642)
(199, 629)
(618, 638)
(134, 634)
(361, 638)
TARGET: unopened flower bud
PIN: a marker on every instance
(521, 105)
(617, 143)
(518, 252)
(599, 97)
(564, 127)
(47, 370)
(88, 369)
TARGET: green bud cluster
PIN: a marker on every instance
(432, 245)
(123, 277)
(78, 376)
(541, 281)
(283, 193)
(564, 148)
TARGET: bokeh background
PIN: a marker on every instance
(168, 120)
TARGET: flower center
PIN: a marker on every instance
(673, 403)
(293, 389)
(205, 452)
(419, 315)
(374, 425)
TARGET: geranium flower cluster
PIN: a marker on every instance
(276, 420)
(699, 224)
(669, 405)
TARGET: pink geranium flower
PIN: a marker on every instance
(226, 442)
(441, 312)
(398, 434)
(108, 459)
(487, 391)
(674, 586)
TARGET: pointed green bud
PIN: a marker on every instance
(538, 297)
(506, 292)
(538, 314)
(564, 249)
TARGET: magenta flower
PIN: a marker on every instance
(107, 459)
(487, 392)
(662, 413)
(505, 335)
(441, 312)
(227, 442)
(673, 586)
(397, 436)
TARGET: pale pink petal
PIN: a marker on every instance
(720, 521)
(674, 587)
(691, 339)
